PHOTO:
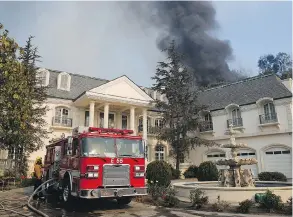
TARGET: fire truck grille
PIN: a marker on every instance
(116, 175)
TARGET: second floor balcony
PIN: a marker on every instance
(62, 121)
(235, 122)
(268, 118)
(151, 129)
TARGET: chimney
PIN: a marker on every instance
(288, 83)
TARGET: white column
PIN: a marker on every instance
(144, 125)
(92, 114)
(106, 115)
(118, 120)
(132, 121)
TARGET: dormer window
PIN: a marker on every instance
(63, 82)
(42, 77)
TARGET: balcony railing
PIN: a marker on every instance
(62, 121)
(150, 130)
(236, 122)
(205, 126)
(268, 118)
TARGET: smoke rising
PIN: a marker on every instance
(190, 25)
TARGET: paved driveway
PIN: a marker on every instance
(94, 208)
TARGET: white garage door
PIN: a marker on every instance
(214, 156)
(278, 160)
(242, 154)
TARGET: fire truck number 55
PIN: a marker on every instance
(118, 161)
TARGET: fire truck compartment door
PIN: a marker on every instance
(57, 156)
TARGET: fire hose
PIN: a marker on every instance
(36, 192)
(11, 210)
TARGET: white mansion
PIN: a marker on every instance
(259, 107)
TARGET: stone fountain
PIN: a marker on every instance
(235, 176)
(235, 184)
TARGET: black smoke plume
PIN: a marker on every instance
(190, 25)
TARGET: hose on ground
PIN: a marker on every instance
(34, 193)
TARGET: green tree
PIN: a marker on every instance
(181, 111)
(281, 65)
(22, 100)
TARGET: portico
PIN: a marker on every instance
(116, 104)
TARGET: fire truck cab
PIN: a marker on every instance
(97, 163)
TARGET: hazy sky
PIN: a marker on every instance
(99, 39)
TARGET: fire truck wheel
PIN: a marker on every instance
(66, 193)
(124, 201)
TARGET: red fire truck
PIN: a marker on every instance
(97, 163)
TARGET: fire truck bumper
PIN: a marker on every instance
(112, 192)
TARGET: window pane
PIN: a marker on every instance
(65, 112)
(124, 122)
(98, 147)
(58, 111)
(87, 118)
(129, 147)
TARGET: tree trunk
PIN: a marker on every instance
(177, 161)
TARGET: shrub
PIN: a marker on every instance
(159, 172)
(207, 171)
(169, 198)
(220, 205)
(27, 182)
(162, 195)
(245, 206)
(197, 198)
(175, 173)
(191, 172)
(271, 201)
(289, 204)
(272, 176)
(155, 191)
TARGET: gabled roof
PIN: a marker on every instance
(79, 84)
(244, 92)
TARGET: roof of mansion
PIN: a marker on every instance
(244, 92)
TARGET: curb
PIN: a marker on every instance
(222, 214)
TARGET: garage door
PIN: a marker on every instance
(214, 156)
(278, 160)
(242, 154)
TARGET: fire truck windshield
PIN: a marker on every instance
(129, 148)
(98, 146)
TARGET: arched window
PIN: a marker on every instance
(64, 81)
(269, 110)
(160, 152)
(207, 123)
(62, 117)
(208, 117)
(236, 119)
